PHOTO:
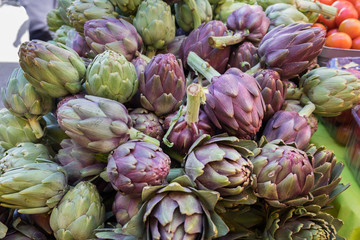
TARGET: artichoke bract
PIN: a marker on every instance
(79, 162)
(21, 98)
(273, 91)
(284, 174)
(22, 154)
(175, 46)
(140, 64)
(14, 130)
(112, 34)
(184, 13)
(227, 170)
(125, 206)
(290, 50)
(54, 20)
(225, 8)
(61, 34)
(55, 70)
(62, 7)
(244, 57)
(302, 223)
(127, 6)
(147, 122)
(331, 90)
(81, 11)
(33, 188)
(197, 42)
(247, 22)
(135, 165)
(162, 85)
(186, 213)
(78, 214)
(53, 133)
(77, 42)
(111, 76)
(155, 23)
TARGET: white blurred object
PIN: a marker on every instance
(12, 19)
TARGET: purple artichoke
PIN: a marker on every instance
(135, 165)
(125, 207)
(291, 49)
(162, 86)
(273, 91)
(244, 57)
(197, 42)
(113, 34)
(78, 43)
(175, 46)
(147, 122)
(140, 64)
(247, 22)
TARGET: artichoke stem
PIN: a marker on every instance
(136, 134)
(224, 41)
(254, 69)
(307, 6)
(172, 125)
(35, 125)
(194, 94)
(150, 53)
(307, 110)
(195, 12)
(199, 65)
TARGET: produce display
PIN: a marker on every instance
(175, 119)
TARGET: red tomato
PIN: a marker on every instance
(356, 45)
(339, 40)
(335, 30)
(319, 25)
(327, 2)
(329, 23)
(342, 4)
(357, 6)
(345, 10)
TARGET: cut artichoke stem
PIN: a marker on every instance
(254, 69)
(35, 125)
(195, 12)
(307, 6)
(224, 41)
(201, 66)
(307, 110)
(172, 125)
(137, 135)
(194, 96)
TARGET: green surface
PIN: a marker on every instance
(347, 204)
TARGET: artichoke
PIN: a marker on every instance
(79, 162)
(175, 46)
(147, 123)
(244, 56)
(125, 207)
(53, 133)
(162, 85)
(33, 188)
(197, 42)
(127, 6)
(223, 10)
(185, 10)
(62, 7)
(14, 130)
(284, 174)
(21, 98)
(273, 91)
(22, 230)
(81, 11)
(78, 214)
(111, 76)
(55, 70)
(226, 170)
(140, 64)
(22, 154)
(61, 34)
(186, 213)
(54, 20)
(331, 90)
(247, 22)
(77, 42)
(135, 165)
(290, 50)
(112, 34)
(302, 223)
(155, 23)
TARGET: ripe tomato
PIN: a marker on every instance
(327, 2)
(329, 23)
(319, 25)
(351, 26)
(356, 43)
(345, 10)
(357, 6)
(335, 30)
(342, 4)
(339, 40)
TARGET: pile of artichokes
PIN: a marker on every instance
(172, 119)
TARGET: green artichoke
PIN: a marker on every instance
(22, 154)
(284, 174)
(78, 214)
(54, 20)
(53, 133)
(331, 90)
(185, 10)
(177, 211)
(155, 23)
(81, 11)
(14, 130)
(223, 10)
(226, 170)
(61, 34)
(62, 7)
(33, 188)
(21, 98)
(111, 76)
(127, 6)
(53, 69)
(307, 223)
